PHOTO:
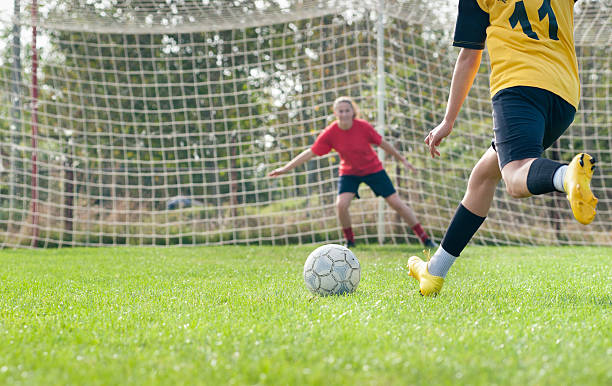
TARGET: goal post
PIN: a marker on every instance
(158, 122)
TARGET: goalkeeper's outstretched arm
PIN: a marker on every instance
(389, 149)
(304, 156)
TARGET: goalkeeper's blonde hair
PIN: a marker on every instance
(349, 100)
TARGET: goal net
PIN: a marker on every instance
(156, 122)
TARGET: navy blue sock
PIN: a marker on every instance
(540, 176)
(462, 228)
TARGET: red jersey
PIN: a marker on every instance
(353, 145)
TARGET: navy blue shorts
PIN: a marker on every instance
(379, 182)
(527, 120)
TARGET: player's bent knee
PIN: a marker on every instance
(479, 177)
(514, 176)
(482, 179)
(513, 193)
(486, 170)
(513, 188)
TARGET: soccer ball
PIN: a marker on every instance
(332, 270)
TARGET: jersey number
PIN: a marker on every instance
(520, 16)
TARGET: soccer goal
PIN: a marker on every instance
(156, 122)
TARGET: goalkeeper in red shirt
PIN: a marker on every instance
(352, 138)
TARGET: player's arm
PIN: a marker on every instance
(470, 35)
(464, 73)
(389, 149)
(301, 158)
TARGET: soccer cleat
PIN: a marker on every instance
(577, 185)
(429, 243)
(428, 283)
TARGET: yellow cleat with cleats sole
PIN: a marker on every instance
(577, 185)
(429, 285)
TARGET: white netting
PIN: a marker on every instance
(158, 121)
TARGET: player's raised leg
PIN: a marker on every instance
(469, 216)
(536, 176)
(527, 121)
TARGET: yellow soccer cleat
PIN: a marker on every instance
(428, 283)
(577, 185)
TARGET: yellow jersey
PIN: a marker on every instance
(531, 43)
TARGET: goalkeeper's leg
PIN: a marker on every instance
(467, 219)
(343, 202)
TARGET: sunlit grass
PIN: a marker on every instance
(242, 315)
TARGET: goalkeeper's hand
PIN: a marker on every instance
(277, 172)
(409, 166)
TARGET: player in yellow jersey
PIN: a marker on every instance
(535, 91)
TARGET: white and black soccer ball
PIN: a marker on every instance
(332, 270)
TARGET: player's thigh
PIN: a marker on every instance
(519, 126)
(380, 183)
(348, 184)
(343, 201)
(395, 201)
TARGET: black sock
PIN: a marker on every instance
(540, 176)
(462, 228)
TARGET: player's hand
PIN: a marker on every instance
(436, 136)
(409, 166)
(277, 172)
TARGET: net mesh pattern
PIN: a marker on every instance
(157, 122)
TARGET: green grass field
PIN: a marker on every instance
(242, 315)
